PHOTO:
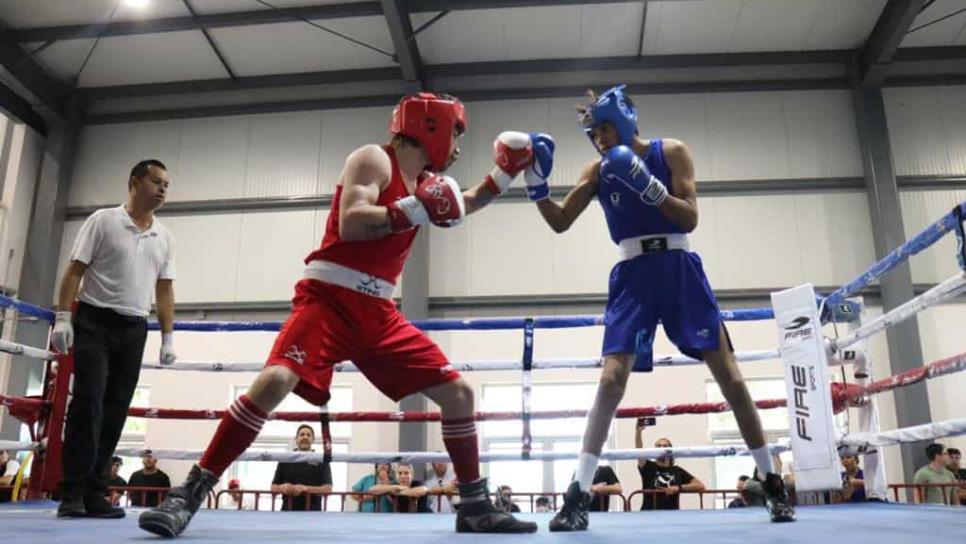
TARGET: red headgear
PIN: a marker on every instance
(234, 483)
(430, 120)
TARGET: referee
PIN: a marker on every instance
(119, 256)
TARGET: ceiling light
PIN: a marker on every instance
(138, 4)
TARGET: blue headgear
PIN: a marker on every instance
(611, 107)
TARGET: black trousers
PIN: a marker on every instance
(108, 348)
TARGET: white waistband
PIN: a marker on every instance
(344, 276)
(652, 243)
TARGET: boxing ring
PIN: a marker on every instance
(882, 522)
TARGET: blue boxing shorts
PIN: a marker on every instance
(669, 287)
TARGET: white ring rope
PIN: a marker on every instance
(439, 457)
(469, 366)
(11, 445)
(945, 290)
(905, 435)
(20, 349)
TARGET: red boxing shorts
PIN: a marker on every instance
(330, 324)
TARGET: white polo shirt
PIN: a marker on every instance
(123, 263)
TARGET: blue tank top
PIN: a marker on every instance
(627, 215)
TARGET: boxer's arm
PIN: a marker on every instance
(561, 216)
(681, 207)
(366, 171)
(477, 197)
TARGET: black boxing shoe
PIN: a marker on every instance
(780, 505)
(96, 503)
(71, 500)
(478, 515)
(575, 514)
(171, 517)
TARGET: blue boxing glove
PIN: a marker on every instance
(538, 172)
(622, 165)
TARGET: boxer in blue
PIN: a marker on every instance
(647, 190)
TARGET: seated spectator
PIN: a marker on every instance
(442, 489)
(380, 483)
(853, 481)
(504, 499)
(605, 484)
(239, 500)
(955, 466)
(543, 505)
(739, 501)
(410, 494)
(936, 473)
(296, 480)
(149, 476)
(8, 472)
(115, 480)
(663, 475)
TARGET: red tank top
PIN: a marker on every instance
(384, 257)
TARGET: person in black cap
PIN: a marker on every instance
(115, 480)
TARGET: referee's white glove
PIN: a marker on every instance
(167, 349)
(63, 336)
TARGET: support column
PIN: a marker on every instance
(905, 346)
(415, 304)
(38, 276)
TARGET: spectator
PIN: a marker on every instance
(239, 500)
(504, 499)
(149, 476)
(662, 474)
(122, 256)
(115, 480)
(936, 473)
(295, 480)
(442, 489)
(954, 466)
(605, 484)
(381, 483)
(8, 472)
(543, 505)
(410, 494)
(853, 481)
(739, 501)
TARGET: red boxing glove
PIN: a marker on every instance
(437, 200)
(512, 152)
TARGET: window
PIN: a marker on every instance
(548, 435)
(135, 428)
(280, 435)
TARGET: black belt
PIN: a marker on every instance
(107, 314)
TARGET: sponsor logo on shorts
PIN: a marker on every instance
(615, 199)
(703, 333)
(296, 354)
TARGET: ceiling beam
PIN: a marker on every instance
(421, 6)
(19, 108)
(407, 53)
(51, 93)
(466, 95)
(880, 49)
(175, 24)
(476, 69)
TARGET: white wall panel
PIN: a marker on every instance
(693, 27)
(108, 152)
(940, 329)
(283, 154)
(213, 159)
(512, 252)
(917, 132)
(919, 210)
(342, 132)
(584, 255)
(206, 252)
(951, 102)
(683, 117)
(834, 236)
(765, 23)
(822, 140)
(271, 251)
(450, 257)
(748, 136)
(574, 150)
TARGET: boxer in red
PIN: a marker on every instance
(343, 308)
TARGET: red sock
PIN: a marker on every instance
(238, 429)
(459, 435)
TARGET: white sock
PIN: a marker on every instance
(586, 467)
(763, 460)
